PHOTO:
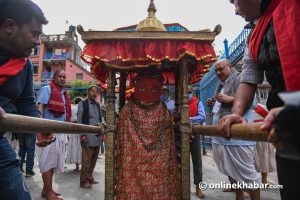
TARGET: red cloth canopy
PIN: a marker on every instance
(139, 53)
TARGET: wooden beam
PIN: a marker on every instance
(110, 138)
(25, 124)
(178, 92)
(250, 132)
(185, 132)
(90, 36)
(177, 132)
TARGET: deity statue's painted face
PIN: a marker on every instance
(147, 90)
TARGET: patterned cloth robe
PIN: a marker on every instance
(145, 171)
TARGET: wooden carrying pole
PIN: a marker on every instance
(25, 124)
(249, 131)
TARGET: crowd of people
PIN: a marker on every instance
(79, 149)
(146, 162)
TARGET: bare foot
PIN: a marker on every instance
(76, 170)
(52, 196)
(55, 193)
(199, 193)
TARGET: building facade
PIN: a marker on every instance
(59, 51)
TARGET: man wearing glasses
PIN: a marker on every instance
(234, 158)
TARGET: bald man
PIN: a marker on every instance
(234, 158)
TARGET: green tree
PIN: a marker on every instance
(78, 88)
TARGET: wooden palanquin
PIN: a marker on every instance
(183, 57)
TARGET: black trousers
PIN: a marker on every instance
(289, 177)
(195, 148)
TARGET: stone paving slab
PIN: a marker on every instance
(212, 175)
(67, 183)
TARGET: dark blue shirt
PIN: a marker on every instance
(16, 96)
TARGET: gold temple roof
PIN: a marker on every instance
(151, 23)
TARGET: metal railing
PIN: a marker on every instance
(237, 48)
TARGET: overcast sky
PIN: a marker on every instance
(111, 14)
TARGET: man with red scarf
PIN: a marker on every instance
(54, 104)
(197, 115)
(20, 26)
(146, 165)
(273, 50)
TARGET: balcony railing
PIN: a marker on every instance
(237, 48)
(47, 75)
(52, 56)
(56, 38)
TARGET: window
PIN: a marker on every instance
(79, 76)
(35, 50)
(35, 68)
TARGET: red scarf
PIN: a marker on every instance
(11, 68)
(193, 105)
(286, 19)
(56, 103)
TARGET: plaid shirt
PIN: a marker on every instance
(251, 73)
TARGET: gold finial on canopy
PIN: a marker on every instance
(151, 8)
(151, 23)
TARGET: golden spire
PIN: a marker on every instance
(151, 8)
(151, 23)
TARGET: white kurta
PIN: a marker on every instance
(53, 155)
(74, 149)
(74, 146)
